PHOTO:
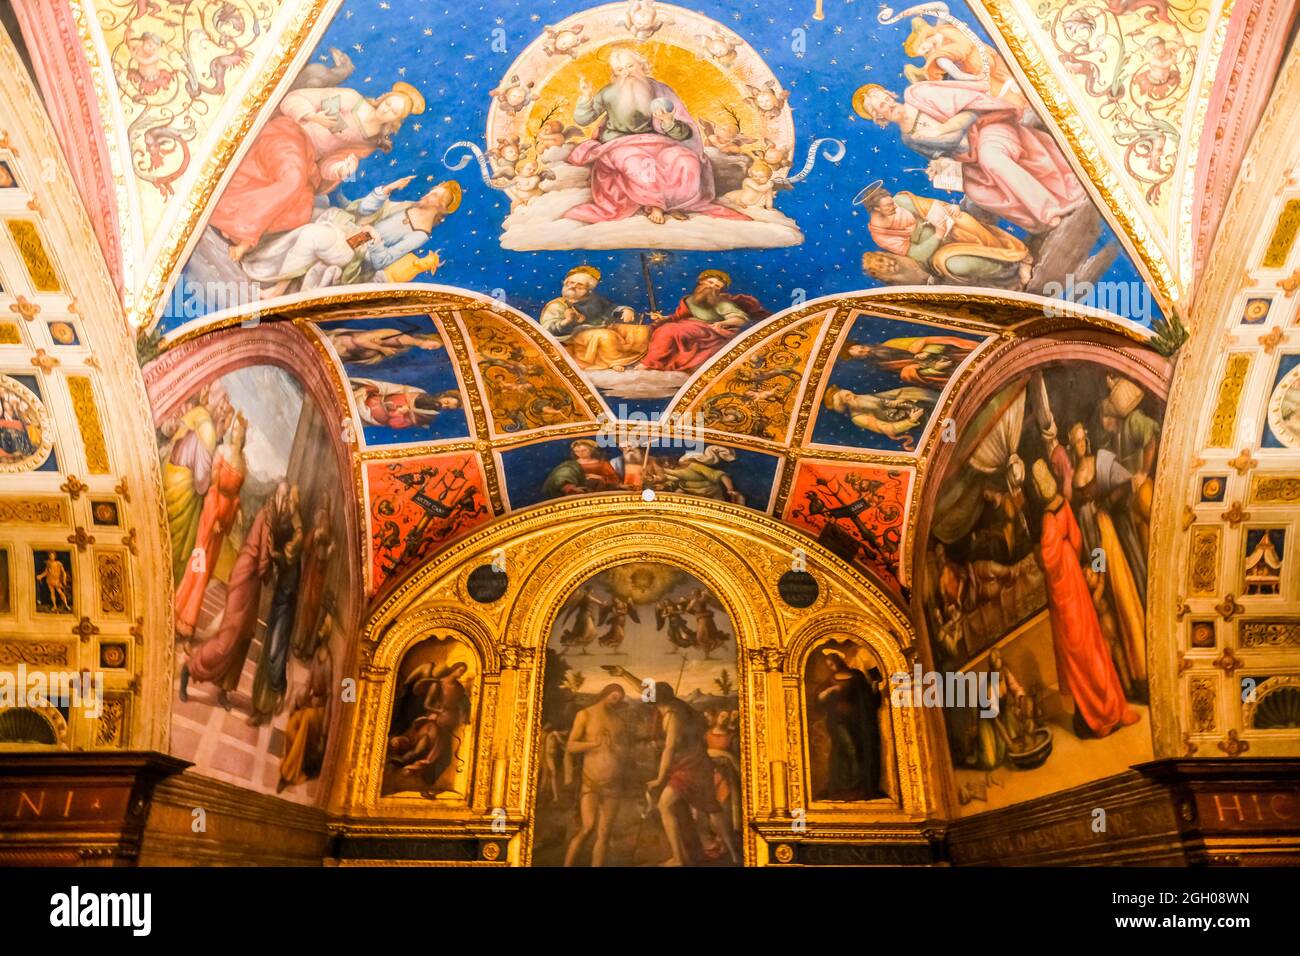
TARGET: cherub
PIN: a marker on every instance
(145, 69)
(564, 42)
(725, 136)
(1160, 75)
(56, 580)
(719, 47)
(755, 189)
(505, 157)
(642, 20)
(513, 96)
(778, 157)
(527, 184)
(553, 133)
(767, 99)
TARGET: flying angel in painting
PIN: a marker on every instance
(642, 19)
(672, 615)
(616, 614)
(583, 613)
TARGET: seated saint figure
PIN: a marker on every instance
(949, 244)
(587, 470)
(704, 322)
(647, 154)
(596, 332)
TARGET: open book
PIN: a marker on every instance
(946, 174)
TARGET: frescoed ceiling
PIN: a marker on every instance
(462, 410)
(802, 122)
(642, 216)
(159, 109)
(787, 232)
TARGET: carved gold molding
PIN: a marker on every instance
(549, 552)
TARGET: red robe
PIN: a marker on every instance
(1083, 662)
(220, 659)
(394, 410)
(683, 343)
(219, 507)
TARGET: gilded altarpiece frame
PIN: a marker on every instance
(549, 552)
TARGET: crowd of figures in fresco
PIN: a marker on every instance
(1047, 505)
(256, 551)
(648, 186)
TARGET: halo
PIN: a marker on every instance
(865, 192)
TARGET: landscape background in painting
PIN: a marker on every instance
(576, 674)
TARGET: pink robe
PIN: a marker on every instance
(1013, 171)
(643, 170)
(648, 170)
(276, 183)
(1083, 662)
(220, 659)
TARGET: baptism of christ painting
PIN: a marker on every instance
(640, 750)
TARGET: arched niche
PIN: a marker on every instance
(438, 636)
(984, 606)
(321, 587)
(550, 554)
(864, 645)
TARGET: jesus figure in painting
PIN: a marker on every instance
(646, 154)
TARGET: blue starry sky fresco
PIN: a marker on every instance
(865, 377)
(446, 51)
(429, 370)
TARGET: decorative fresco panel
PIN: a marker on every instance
(857, 511)
(417, 505)
(588, 465)
(403, 384)
(26, 433)
(1036, 569)
(415, 147)
(1282, 424)
(255, 516)
(886, 380)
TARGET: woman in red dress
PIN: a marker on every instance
(220, 508)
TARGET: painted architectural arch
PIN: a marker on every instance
(610, 433)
